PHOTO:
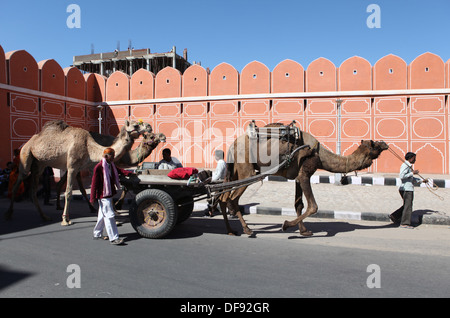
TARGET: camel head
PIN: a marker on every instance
(145, 127)
(136, 128)
(152, 140)
(374, 148)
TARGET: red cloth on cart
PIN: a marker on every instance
(182, 173)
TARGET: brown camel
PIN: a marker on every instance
(61, 146)
(131, 158)
(242, 163)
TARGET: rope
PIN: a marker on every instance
(431, 187)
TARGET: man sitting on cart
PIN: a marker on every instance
(168, 162)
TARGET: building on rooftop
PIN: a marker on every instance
(130, 61)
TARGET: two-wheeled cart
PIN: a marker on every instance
(161, 202)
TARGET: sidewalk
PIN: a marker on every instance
(367, 197)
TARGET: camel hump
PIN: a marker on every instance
(56, 124)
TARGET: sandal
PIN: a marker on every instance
(403, 226)
(105, 238)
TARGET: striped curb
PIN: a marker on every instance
(389, 181)
(338, 215)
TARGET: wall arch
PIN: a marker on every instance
(75, 83)
(355, 73)
(95, 87)
(118, 87)
(321, 76)
(51, 77)
(5, 150)
(390, 72)
(22, 69)
(224, 80)
(426, 71)
(142, 85)
(2, 66)
(255, 79)
(168, 83)
(288, 76)
(195, 81)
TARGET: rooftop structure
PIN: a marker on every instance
(130, 61)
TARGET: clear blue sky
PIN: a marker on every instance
(232, 31)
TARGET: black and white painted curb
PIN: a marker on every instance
(436, 219)
(364, 180)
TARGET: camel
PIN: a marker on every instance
(61, 146)
(301, 168)
(131, 158)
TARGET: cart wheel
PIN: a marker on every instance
(185, 206)
(153, 214)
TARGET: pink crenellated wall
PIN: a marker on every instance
(195, 128)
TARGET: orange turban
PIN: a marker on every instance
(108, 151)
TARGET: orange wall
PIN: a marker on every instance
(195, 129)
(5, 149)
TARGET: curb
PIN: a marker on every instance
(383, 181)
(338, 215)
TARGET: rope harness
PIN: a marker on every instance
(430, 185)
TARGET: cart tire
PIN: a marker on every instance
(185, 210)
(153, 214)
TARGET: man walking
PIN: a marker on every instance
(403, 214)
(105, 180)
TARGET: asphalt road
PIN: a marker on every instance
(198, 260)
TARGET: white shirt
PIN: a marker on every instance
(169, 165)
(220, 171)
(407, 177)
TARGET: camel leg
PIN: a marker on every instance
(298, 209)
(305, 186)
(71, 175)
(36, 172)
(223, 208)
(235, 208)
(83, 192)
(59, 186)
(234, 204)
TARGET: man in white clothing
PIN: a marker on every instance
(221, 169)
(217, 175)
(403, 214)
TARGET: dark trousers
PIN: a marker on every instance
(403, 214)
